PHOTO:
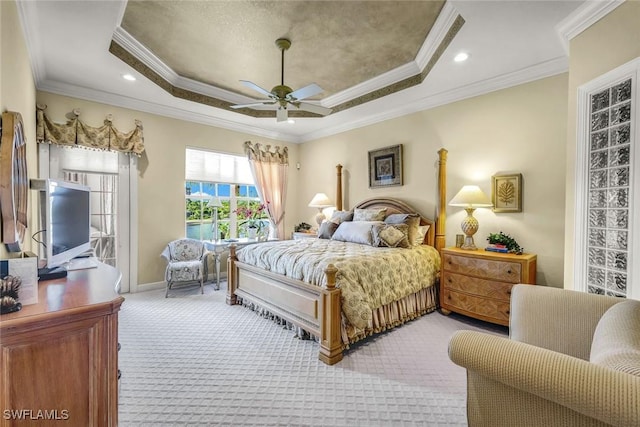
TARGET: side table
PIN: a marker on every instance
(219, 247)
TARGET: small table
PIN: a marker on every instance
(218, 247)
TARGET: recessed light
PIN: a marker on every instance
(291, 121)
(461, 57)
(129, 77)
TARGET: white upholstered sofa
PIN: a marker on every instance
(572, 359)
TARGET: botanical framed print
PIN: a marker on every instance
(506, 193)
(385, 166)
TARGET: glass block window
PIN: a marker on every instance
(609, 192)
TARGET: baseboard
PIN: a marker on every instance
(144, 287)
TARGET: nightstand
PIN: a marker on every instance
(478, 283)
(298, 235)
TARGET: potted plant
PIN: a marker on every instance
(506, 241)
(252, 217)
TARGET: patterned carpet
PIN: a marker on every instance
(192, 360)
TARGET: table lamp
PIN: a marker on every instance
(470, 197)
(320, 201)
(215, 203)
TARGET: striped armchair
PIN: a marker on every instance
(572, 359)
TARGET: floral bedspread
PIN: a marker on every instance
(369, 277)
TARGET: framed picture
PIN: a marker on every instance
(385, 166)
(506, 193)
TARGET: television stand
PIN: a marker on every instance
(51, 273)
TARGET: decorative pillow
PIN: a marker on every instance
(369, 214)
(412, 221)
(422, 232)
(616, 340)
(356, 232)
(327, 229)
(341, 216)
(390, 235)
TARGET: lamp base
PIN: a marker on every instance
(469, 244)
(320, 217)
(469, 227)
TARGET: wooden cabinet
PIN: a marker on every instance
(478, 283)
(59, 357)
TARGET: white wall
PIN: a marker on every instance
(516, 130)
(18, 94)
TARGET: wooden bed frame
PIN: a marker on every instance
(313, 308)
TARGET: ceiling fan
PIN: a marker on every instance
(283, 96)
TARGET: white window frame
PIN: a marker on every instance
(630, 70)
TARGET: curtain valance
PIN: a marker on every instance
(77, 133)
(264, 154)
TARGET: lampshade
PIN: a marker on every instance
(320, 200)
(214, 202)
(471, 196)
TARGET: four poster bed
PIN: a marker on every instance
(340, 291)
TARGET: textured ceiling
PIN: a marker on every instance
(335, 44)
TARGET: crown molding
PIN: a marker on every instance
(582, 18)
(539, 71)
(149, 59)
(27, 11)
(437, 34)
(174, 112)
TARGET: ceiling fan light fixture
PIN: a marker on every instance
(284, 95)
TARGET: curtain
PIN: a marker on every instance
(76, 133)
(269, 169)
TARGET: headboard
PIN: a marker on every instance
(395, 206)
(435, 236)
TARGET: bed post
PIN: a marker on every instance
(339, 188)
(331, 320)
(442, 202)
(231, 276)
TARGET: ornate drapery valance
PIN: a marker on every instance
(77, 133)
(263, 153)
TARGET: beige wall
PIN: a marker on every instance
(18, 93)
(161, 170)
(609, 43)
(516, 130)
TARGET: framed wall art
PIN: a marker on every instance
(506, 193)
(385, 166)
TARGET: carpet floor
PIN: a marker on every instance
(192, 360)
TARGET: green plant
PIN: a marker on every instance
(303, 226)
(506, 240)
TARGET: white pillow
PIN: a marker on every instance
(376, 214)
(422, 232)
(356, 232)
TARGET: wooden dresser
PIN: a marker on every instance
(59, 357)
(478, 283)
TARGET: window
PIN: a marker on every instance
(608, 184)
(210, 174)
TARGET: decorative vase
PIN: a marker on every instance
(252, 232)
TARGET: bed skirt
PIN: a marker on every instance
(385, 317)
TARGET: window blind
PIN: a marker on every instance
(203, 165)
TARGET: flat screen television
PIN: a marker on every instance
(67, 221)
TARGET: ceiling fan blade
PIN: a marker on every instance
(305, 92)
(313, 108)
(282, 115)
(257, 88)
(253, 104)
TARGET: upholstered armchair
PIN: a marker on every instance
(572, 359)
(186, 262)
